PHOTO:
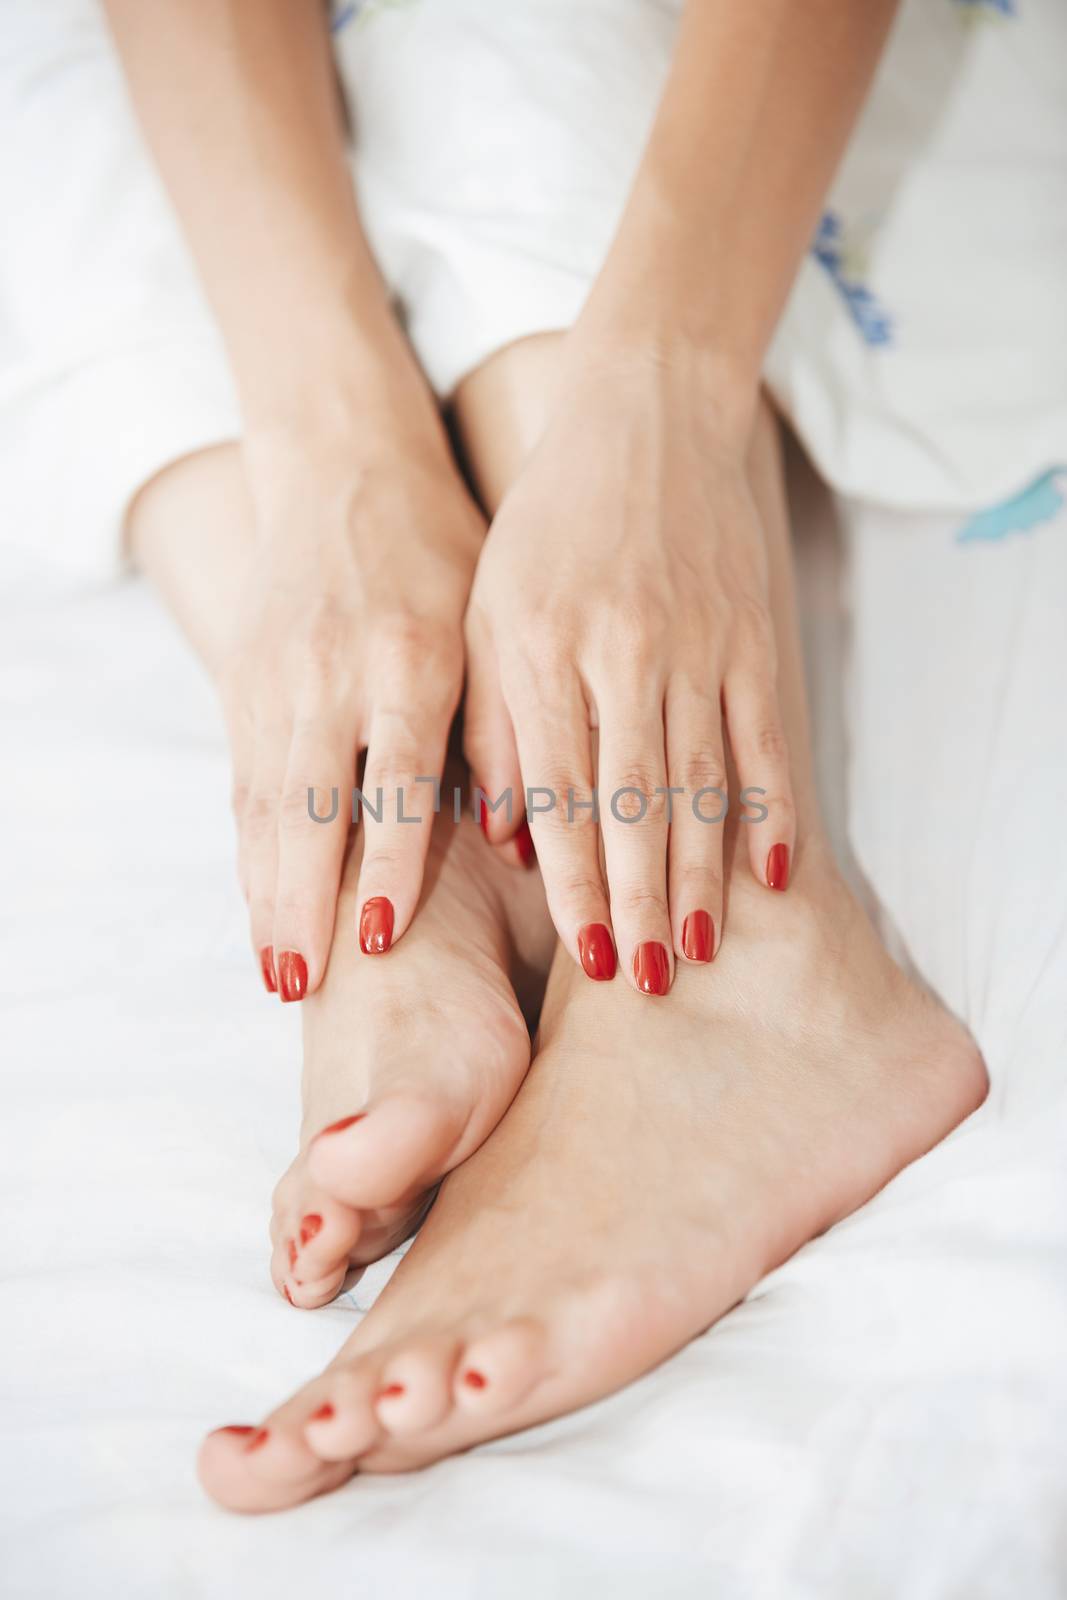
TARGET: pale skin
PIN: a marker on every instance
(637, 565)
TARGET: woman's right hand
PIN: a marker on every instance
(349, 640)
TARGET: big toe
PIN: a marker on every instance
(386, 1155)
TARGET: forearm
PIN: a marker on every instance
(240, 108)
(757, 109)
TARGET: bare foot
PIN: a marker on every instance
(657, 1161)
(410, 1061)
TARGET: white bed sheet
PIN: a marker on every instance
(885, 1416)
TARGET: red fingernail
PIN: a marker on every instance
(596, 951)
(292, 975)
(376, 926)
(291, 1248)
(698, 936)
(259, 1438)
(240, 1429)
(525, 845)
(339, 1127)
(652, 970)
(483, 815)
(778, 867)
(266, 966)
(392, 1391)
(323, 1414)
(309, 1227)
(475, 1380)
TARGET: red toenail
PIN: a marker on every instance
(475, 1380)
(323, 1414)
(392, 1391)
(778, 867)
(376, 926)
(266, 964)
(292, 975)
(291, 1247)
(309, 1227)
(260, 1437)
(345, 1122)
(285, 1292)
(240, 1428)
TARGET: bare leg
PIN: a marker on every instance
(656, 1161)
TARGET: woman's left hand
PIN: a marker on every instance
(623, 588)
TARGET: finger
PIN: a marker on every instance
(490, 749)
(761, 754)
(258, 856)
(633, 819)
(401, 787)
(696, 765)
(551, 721)
(314, 816)
(410, 718)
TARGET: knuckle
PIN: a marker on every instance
(704, 768)
(260, 815)
(641, 903)
(581, 889)
(769, 741)
(638, 796)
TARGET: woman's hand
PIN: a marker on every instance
(350, 640)
(623, 589)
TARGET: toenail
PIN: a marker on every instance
(258, 1438)
(474, 1379)
(239, 1429)
(652, 971)
(596, 952)
(323, 1414)
(266, 964)
(288, 1296)
(778, 867)
(698, 936)
(524, 844)
(392, 1391)
(376, 926)
(309, 1227)
(292, 975)
(291, 1248)
(339, 1127)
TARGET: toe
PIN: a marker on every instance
(396, 1149)
(343, 1422)
(416, 1387)
(498, 1369)
(313, 1245)
(246, 1468)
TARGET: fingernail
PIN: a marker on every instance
(596, 951)
(376, 926)
(292, 975)
(323, 1414)
(778, 867)
(652, 970)
(260, 1437)
(266, 966)
(483, 815)
(525, 845)
(309, 1227)
(392, 1391)
(474, 1379)
(339, 1127)
(698, 936)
